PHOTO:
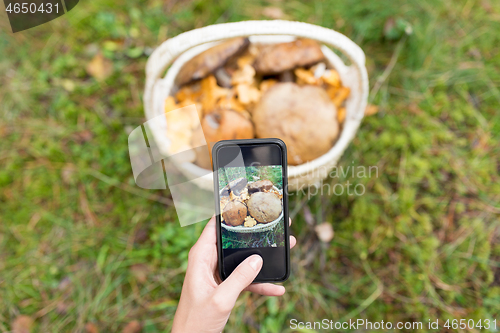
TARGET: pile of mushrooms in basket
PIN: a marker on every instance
(248, 204)
(246, 90)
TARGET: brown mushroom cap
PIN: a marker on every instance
(234, 186)
(226, 125)
(259, 186)
(217, 126)
(304, 117)
(264, 207)
(234, 213)
(208, 61)
(278, 58)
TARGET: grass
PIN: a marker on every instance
(80, 243)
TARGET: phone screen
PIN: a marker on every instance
(252, 208)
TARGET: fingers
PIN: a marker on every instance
(266, 289)
(289, 221)
(293, 241)
(240, 278)
(208, 236)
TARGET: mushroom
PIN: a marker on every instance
(208, 61)
(235, 186)
(304, 117)
(277, 58)
(217, 126)
(260, 186)
(234, 213)
(264, 207)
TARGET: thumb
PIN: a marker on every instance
(240, 278)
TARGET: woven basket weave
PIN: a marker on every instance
(176, 51)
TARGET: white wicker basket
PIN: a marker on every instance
(176, 51)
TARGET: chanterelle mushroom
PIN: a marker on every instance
(208, 61)
(277, 58)
(304, 117)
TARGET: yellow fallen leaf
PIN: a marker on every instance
(133, 327)
(99, 67)
(22, 324)
(275, 13)
(371, 110)
(325, 232)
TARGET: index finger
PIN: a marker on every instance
(208, 236)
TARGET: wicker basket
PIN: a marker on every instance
(260, 227)
(176, 51)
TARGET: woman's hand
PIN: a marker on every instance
(206, 302)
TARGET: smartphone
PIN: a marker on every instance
(251, 205)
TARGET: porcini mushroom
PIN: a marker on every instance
(208, 61)
(234, 213)
(216, 126)
(260, 186)
(277, 58)
(264, 207)
(304, 117)
(235, 186)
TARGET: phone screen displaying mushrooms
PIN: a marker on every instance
(251, 205)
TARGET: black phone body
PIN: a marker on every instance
(253, 163)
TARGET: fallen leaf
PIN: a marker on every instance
(62, 307)
(91, 328)
(22, 324)
(133, 327)
(141, 236)
(371, 110)
(140, 272)
(324, 231)
(100, 68)
(273, 12)
(83, 136)
(308, 216)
